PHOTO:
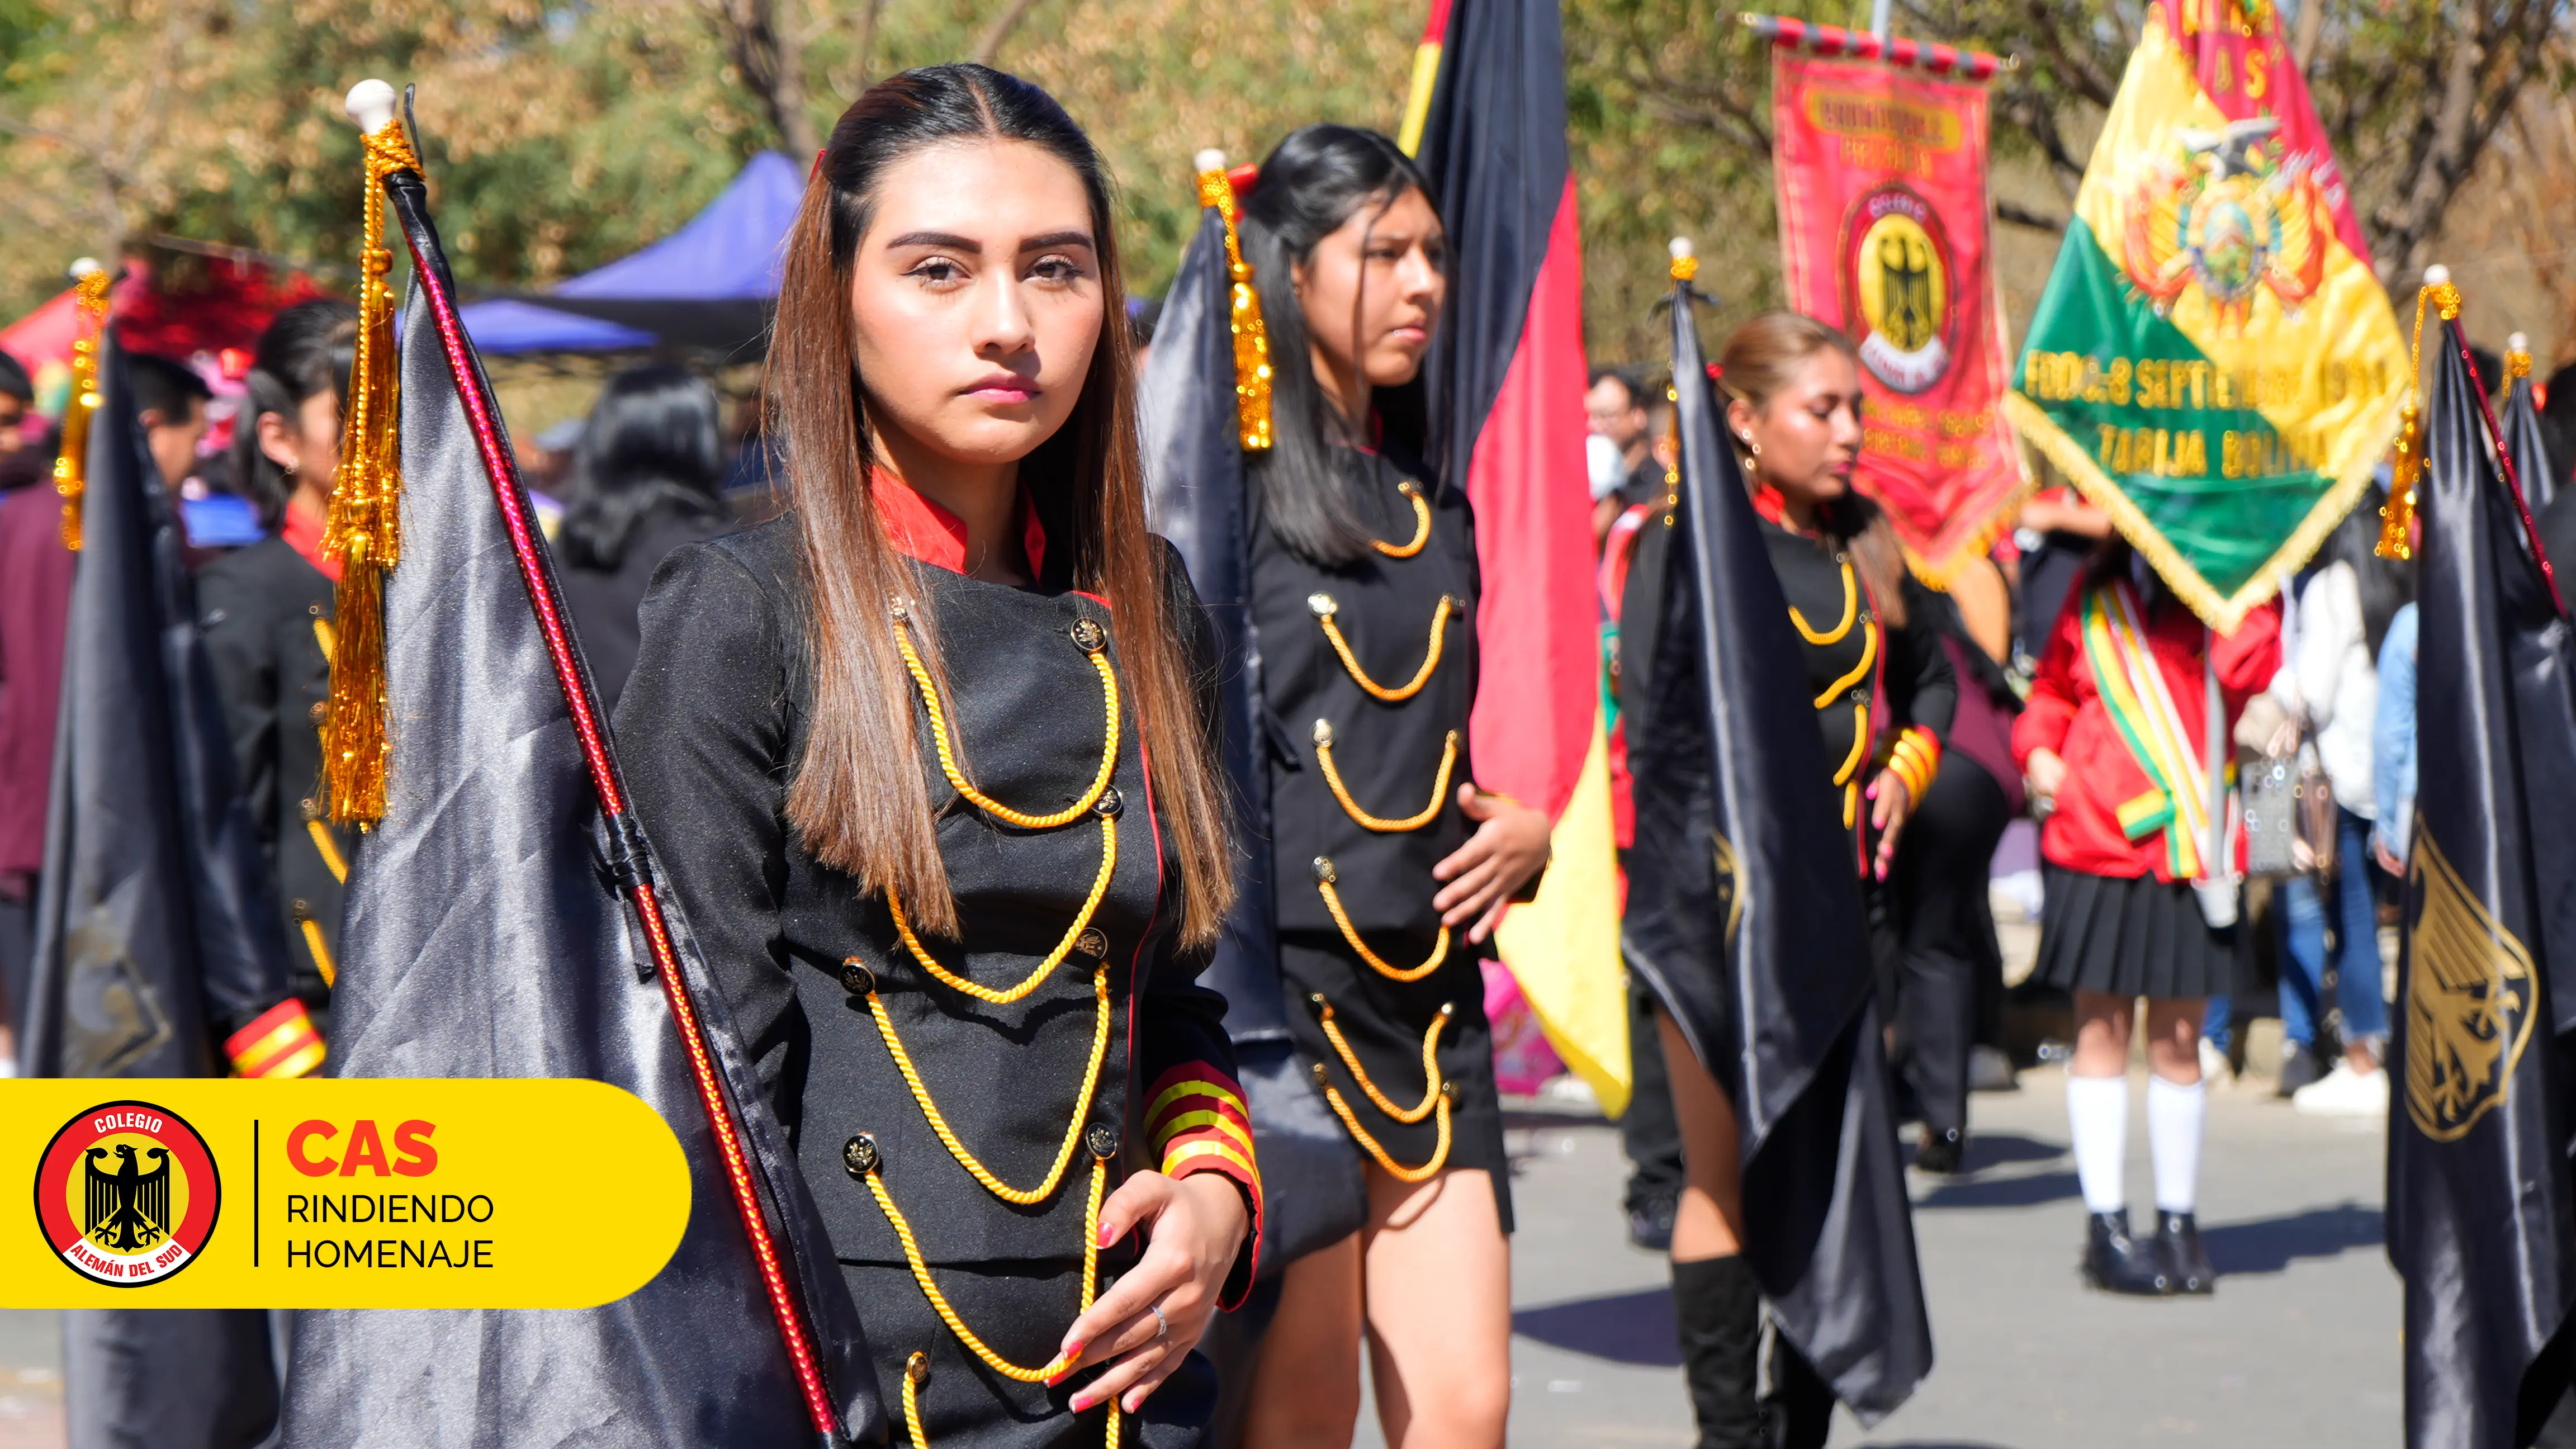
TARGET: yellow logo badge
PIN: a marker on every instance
(2469, 995)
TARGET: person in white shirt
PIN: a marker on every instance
(2329, 685)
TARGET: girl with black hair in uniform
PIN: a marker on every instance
(927, 771)
(267, 613)
(1392, 867)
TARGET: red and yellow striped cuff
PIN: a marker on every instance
(282, 1043)
(1196, 1121)
(1915, 756)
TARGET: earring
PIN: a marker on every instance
(1748, 442)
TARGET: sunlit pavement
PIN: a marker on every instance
(2300, 1345)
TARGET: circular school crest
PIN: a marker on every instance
(1897, 276)
(127, 1194)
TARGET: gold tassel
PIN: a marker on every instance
(2397, 516)
(71, 466)
(364, 531)
(1251, 337)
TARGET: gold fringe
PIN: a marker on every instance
(2222, 613)
(71, 465)
(1251, 335)
(364, 531)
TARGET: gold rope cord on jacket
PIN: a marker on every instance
(1360, 1134)
(1323, 607)
(948, 1314)
(1341, 792)
(1421, 524)
(1325, 879)
(1849, 775)
(320, 948)
(1851, 610)
(329, 848)
(948, 1136)
(1004, 996)
(1430, 1061)
(1092, 638)
(1860, 671)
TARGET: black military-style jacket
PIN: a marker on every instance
(1387, 753)
(712, 727)
(266, 613)
(1869, 680)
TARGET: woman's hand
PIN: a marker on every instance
(1505, 852)
(1194, 1227)
(2042, 774)
(1887, 816)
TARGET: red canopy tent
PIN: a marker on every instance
(223, 309)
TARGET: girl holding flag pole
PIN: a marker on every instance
(1392, 866)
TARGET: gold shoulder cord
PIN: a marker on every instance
(1437, 1095)
(1848, 776)
(1324, 607)
(861, 1155)
(1379, 823)
(1412, 492)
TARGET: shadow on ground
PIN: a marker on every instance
(1633, 1328)
(2269, 1245)
(2025, 1191)
(2004, 1149)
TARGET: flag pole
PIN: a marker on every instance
(371, 104)
(2437, 280)
(1875, 43)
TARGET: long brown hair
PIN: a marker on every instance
(858, 801)
(1758, 360)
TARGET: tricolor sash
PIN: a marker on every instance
(2133, 687)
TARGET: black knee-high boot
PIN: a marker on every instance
(1801, 1403)
(1718, 1307)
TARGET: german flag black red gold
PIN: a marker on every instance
(1506, 377)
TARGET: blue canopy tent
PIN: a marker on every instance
(710, 284)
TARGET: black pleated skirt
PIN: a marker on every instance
(2130, 936)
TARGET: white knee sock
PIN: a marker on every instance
(2174, 1115)
(2097, 1108)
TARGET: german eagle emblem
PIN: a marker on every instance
(127, 1208)
(2223, 213)
(2469, 995)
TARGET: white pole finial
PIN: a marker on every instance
(1210, 159)
(371, 105)
(2437, 275)
(85, 267)
(1680, 247)
(2518, 342)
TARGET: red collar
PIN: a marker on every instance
(303, 533)
(1773, 508)
(935, 536)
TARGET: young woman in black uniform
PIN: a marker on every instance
(1883, 693)
(1392, 865)
(267, 613)
(928, 774)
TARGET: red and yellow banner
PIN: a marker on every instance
(1882, 181)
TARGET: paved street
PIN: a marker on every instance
(2299, 1347)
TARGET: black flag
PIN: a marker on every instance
(1745, 919)
(2479, 1189)
(156, 940)
(2527, 440)
(1196, 496)
(485, 936)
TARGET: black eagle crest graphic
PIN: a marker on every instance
(128, 1208)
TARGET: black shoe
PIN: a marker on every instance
(1941, 1152)
(1717, 1306)
(2299, 1068)
(2116, 1263)
(1650, 1223)
(2186, 1262)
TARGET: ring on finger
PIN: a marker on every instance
(1162, 1325)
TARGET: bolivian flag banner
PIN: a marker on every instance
(2214, 362)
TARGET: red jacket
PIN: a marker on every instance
(2066, 714)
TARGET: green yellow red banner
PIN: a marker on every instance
(2214, 361)
(1882, 184)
